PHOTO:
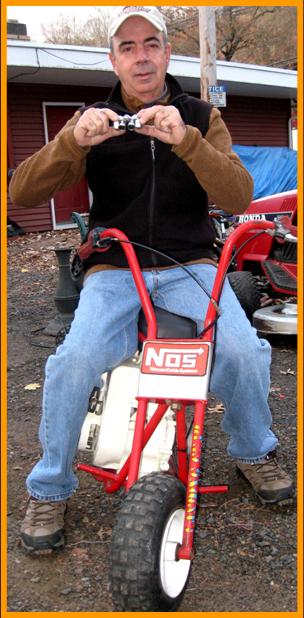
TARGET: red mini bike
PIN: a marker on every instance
(138, 432)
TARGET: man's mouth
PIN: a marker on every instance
(144, 75)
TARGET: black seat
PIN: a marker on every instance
(169, 325)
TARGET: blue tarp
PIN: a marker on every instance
(274, 169)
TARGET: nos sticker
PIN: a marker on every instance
(165, 358)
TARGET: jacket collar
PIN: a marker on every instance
(174, 91)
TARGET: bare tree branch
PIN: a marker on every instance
(252, 34)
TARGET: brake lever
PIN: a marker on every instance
(281, 231)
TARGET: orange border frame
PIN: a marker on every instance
(299, 5)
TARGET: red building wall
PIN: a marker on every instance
(254, 121)
(26, 136)
(251, 121)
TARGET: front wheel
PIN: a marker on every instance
(144, 573)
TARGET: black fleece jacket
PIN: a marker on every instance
(141, 187)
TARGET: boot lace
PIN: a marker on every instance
(45, 513)
(270, 471)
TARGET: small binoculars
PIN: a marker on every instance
(127, 122)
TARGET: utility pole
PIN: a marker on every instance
(207, 32)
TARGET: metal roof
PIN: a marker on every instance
(29, 62)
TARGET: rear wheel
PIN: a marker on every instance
(246, 289)
(145, 574)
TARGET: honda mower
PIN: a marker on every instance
(264, 272)
(138, 433)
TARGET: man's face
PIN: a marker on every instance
(140, 58)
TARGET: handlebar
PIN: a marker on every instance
(291, 238)
(100, 240)
(222, 214)
(106, 236)
(284, 229)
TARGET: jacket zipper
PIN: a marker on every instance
(152, 200)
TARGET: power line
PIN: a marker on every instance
(292, 60)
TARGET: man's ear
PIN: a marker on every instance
(113, 62)
(168, 53)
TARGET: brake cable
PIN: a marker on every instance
(182, 266)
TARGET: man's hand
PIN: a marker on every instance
(93, 127)
(163, 122)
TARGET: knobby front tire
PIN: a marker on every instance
(144, 573)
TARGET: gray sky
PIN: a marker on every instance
(33, 16)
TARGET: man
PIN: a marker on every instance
(154, 184)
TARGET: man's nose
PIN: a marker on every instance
(142, 54)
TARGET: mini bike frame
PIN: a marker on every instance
(188, 472)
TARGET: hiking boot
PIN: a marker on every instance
(269, 482)
(42, 527)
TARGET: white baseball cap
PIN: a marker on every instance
(150, 13)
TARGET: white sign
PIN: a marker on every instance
(217, 96)
(175, 370)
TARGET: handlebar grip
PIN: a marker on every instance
(285, 229)
(291, 238)
(94, 243)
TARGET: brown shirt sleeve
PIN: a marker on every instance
(58, 165)
(218, 170)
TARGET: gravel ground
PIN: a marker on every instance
(245, 552)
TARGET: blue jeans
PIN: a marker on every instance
(104, 333)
